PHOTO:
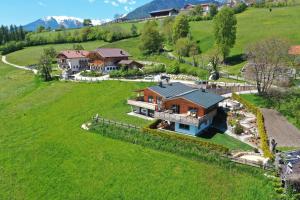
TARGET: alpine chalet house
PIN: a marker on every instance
(181, 108)
(107, 59)
(189, 7)
(73, 61)
(164, 13)
(103, 60)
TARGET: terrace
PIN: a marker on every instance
(139, 102)
(186, 118)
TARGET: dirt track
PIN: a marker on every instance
(278, 128)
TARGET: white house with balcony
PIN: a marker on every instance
(73, 61)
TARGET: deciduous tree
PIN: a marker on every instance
(44, 67)
(180, 28)
(225, 30)
(151, 40)
(266, 58)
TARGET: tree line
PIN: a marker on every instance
(11, 33)
(108, 33)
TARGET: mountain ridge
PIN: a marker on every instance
(55, 22)
(143, 11)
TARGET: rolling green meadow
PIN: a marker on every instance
(253, 25)
(44, 154)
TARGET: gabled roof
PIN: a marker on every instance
(163, 10)
(74, 54)
(170, 90)
(178, 90)
(202, 98)
(112, 52)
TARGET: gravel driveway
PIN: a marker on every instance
(277, 127)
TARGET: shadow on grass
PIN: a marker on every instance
(235, 60)
(210, 133)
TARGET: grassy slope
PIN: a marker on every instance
(45, 155)
(285, 108)
(253, 25)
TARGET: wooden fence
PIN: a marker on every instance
(115, 123)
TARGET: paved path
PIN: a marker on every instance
(277, 127)
(18, 66)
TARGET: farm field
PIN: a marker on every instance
(45, 155)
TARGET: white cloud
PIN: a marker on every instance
(40, 3)
(127, 3)
(91, 1)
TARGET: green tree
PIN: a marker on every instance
(225, 30)
(134, 30)
(174, 68)
(44, 67)
(180, 28)
(213, 10)
(182, 47)
(194, 50)
(50, 52)
(40, 29)
(87, 22)
(167, 29)
(151, 40)
(197, 11)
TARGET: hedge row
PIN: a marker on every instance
(174, 143)
(260, 124)
(151, 129)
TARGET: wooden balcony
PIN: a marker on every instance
(184, 118)
(141, 104)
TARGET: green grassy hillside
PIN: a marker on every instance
(253, 25)
(45, 155)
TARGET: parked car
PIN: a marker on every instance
(201, 82)
(164, 77)
(150, 77)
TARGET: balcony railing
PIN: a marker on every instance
(137, 102)
(184, 119)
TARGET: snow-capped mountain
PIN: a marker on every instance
(56, 21)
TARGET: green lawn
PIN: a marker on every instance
(286, 108)
(45, 155)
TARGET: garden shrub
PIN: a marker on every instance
(238, 129)
(173, 68)
(154, 69)
(126, 73)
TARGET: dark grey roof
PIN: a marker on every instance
(163, 10)
(180, 90)
(204, 99)
(171, 90)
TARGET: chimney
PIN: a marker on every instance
(160, 84)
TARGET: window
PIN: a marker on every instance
(184, 126)
(150, 99)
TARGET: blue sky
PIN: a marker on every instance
(21, 12)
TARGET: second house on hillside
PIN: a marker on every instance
(181, 108)
(103, 60)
